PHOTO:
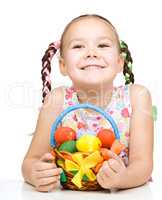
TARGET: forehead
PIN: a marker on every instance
(89, 28)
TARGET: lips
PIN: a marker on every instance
(92, 67)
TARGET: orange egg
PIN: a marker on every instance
(64, 134)
(117, 147)
(107, 137)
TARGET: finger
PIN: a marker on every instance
(115, 165)
(101, 181)
(48, 173)
(47, 157)
(104, 180)
(39, 166)
(106, 171)
(116, 157)
(46, 188)
(48, 180)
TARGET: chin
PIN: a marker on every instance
(90, 84)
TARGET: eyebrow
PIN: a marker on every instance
(83, 39)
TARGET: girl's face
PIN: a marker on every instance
(90, 53)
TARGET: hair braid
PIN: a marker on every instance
(46, 69)
(127, 71)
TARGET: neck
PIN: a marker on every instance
(100, 96)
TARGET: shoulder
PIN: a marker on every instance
(56, 94)
(140, 96)
(139, 92)
(54, 99)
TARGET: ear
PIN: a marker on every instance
(120, 64)
(63, 68)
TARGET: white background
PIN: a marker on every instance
(26, 29)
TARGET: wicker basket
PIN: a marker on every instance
(67, 176)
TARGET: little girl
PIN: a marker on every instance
(92, 55)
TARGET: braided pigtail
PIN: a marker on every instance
(46, 68)
(127, 71)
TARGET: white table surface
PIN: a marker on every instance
(18, 190)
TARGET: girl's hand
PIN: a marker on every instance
(45, 174)
(109, 174)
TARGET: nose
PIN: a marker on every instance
(91, 53)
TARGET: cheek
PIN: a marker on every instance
(71, 59)
(111, 58)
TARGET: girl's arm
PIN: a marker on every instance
(114, 174)
(141, 140)
(40, 145)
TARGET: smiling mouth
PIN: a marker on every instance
(88, 67)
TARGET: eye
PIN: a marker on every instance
(103, 45)
(77, 46)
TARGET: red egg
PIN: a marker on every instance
(107, 137)
(64, 134)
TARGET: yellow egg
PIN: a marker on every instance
(88, 143)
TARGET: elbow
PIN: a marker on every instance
(143, 172)
(147, 172)
(23, 169)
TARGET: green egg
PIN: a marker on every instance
(63, 177)
(69, 146)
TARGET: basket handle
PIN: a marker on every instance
(78, 106)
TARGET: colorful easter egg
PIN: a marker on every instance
(117, 147)
(88, 143)
(63, 134)
(69, 146)
(107, 137)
